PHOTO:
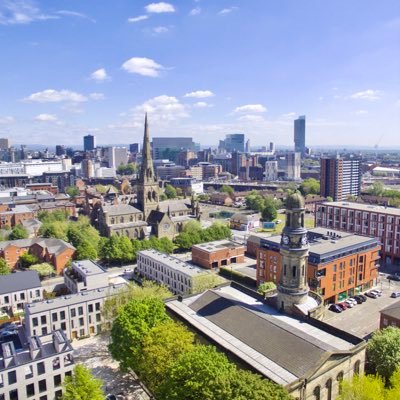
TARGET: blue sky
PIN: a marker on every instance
(200, 68)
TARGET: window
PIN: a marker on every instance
(62, 314)
(42, 385)
(6, 299)
(43, 319)
(54, 316)
(58, 394)
(22, 296)
(12, 377)
(284, 270)
(90, 307)
(13, 394)
(294, 271)
(81, 322)
(40, 368)
(57, 380)
(328, 387)
(35, 321)
(97, 306)
(317, 393)
(339, 378)
(63, 326)
(98, 317)
(80, 310)
(56, 363)
(30, 390)
(73, 312)
(357, 367)
(44, 331)
(43, 398)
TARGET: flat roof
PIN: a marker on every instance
(210, 247)
(173, 262)
(278, 346)
(364, 207)
(88, 267)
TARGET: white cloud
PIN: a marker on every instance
(162, 108)
(142, 66)
(202, 104)
(195, 11)
(368, 94)
(228, 10)
(251, 118)
(56, 96)
(46, 118)
(200, 94)
(99, 75)
(289, 115)
(19, 12)
(252, 108)
(158, 30)
(68, 13)
(97, 96)
(161, 7)
(7, 120)
(138, 18)
(361, 112)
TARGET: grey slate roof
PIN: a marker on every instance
(174, 205)
(392, 311)
(55, 246)
(285, 345)
(19, 281)
(119, 209)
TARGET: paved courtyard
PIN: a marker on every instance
(363, 319)
(93, 353)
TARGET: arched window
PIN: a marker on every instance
(302, 270)
(339, 379)
(154, 195)
(127, 233)
(357, 367)
(122, 220)
(284, 270)
(149, 195)
(131, 218)
(302, 220)
(317, 393)
(294, 271)
(112, 221)
(328, 386)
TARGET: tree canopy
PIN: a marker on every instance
(82, 385)
(127, 169)
(44, 269)
(310, 186)
(227, 189)
(27, 259)
(18, 232)
(72, 191)
(269, 212)
(4, 268)
(170, 191)
(383, 351)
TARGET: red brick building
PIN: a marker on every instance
(35, 187)
(11, 215)
(390, 316)
(217, 254)
(340, 265)
(53, 251)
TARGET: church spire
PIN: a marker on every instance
(147, 169)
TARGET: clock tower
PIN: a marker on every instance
(292, 286)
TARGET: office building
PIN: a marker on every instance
(34, 367)
(233, 142)
(170, 147)
(340, 178)
(180, 276)
(134, 148)
(293, 166)
(271, 171)
(4, 144)
(271, 147)
(60, 150)
(364, 219)
(116, 156)
(248, 146)
(300, 135)
(89, 143)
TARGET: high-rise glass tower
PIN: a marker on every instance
(89, 142)
(300, 134)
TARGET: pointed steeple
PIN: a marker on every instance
(147, 169)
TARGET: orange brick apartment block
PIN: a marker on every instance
(339, 264)
(14, 215)
(53, 251)
(218, 253)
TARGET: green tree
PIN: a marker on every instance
(57, 230)
(4, 268)
(363, 387)
(54, 216)
(72, 191)
(246, 385)
(202, 373)
(206, 281)
(18, 232)
(329, 199)
(265, 287)
(310, 186)
(383, 351)
(269, 212)
(85, 251)
(254, 201)
(128, 169)
(82, 385)
(27, 259)
(184, 241)
(133, 322)
(148, 290)
(393, 393)
(227, 189)
(44, 269)
(376, 189)
(162, 345)
(170, 191)
(110, 249)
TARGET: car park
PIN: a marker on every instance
(335, 308)
(395, 295)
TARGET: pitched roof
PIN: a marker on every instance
(119, 209)
(54, 246)
(175, 205)
(19, 281)
(392, 311)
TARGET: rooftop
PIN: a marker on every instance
(218, 245)
(19, 281)
(278, 346)
(392, 311)
(365, 207)
(88, 267)
(119, 209)
(173, 262)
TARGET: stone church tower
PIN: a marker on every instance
(292, 288)
(147, 186)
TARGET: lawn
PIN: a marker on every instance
(308, 222)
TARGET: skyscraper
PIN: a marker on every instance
(340, 178)
(89, 142)
(117, 156)
(293, 166)
(233, 142)
(4, 143)
(170, 147)
(300, 134)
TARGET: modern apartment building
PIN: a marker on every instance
(181, 277)
(340, 178)
(34, 367)
(379, 222)
(293, 166)
(271, 171)
(300, 135)
(339, 264)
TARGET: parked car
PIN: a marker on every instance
(371, 294)
(365, 298)
(349, 303)
(343, 305)
(128, 270)
(395, 294)
(353, 300)
(358, 299)
(335, 308)
(394, 278)
(377, 291)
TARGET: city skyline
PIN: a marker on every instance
(201, 69)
